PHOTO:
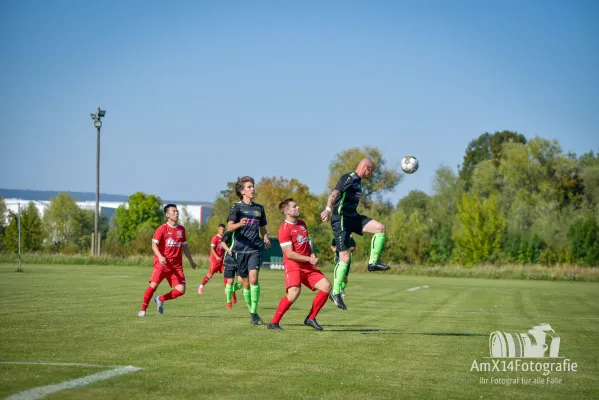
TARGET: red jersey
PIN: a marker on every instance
(170, 241)
(296, 236)
(215, 243)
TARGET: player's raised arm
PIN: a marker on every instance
(327, 211)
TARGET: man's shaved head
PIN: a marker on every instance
(365, 168)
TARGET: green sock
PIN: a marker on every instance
(247, 295)
(255, 289)
(340, 269)
(237, 286)
(229, 292)
(378, 240)
(343, 285)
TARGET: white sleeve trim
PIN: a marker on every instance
(212, 245)
(285, 244)
(155, 241)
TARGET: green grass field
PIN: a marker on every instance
(391, 343)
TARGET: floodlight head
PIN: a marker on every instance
(98, 124)
(101, 113)
(93, 115)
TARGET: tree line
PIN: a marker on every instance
(513, 200)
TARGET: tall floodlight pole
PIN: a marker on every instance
(19, 269)
(98, 124)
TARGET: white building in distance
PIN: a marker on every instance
(197, 212)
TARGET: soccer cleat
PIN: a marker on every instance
(253, 319)
(377, 266)
(258, 319)
(159, 304)
(338, 301)
(234, 298)
(141, 314)
(229, 306)
(200, 289)
(313, 324)
(275, 327)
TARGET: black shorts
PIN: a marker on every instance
(243, 263)
(230, 266)
(343, 226)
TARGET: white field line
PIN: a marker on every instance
(417, 287)
(42, 391)
(117, 276)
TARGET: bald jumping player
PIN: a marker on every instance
(345, 220)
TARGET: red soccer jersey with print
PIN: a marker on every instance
(170, 241)
(215, 244)
(296, 236)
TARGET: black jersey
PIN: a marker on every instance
(350, 192)
(247, 238)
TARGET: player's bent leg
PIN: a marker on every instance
(373, 226)
(324, 288)
(293, 293)
(324, 285)
(178, 291)
(181, 288)
(378, 241)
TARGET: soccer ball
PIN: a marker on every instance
(409, 164)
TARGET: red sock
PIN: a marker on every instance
(319, 300)
(284, 305)
(147, 297)
(206, 279)
(173, 294)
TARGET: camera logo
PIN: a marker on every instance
(540, 341)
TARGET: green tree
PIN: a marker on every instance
(83, 242)
(410, 237)
(589, 175)
(32, 233)
(416, 200)
(3, 215)
(486, 147)
(383, 179)
(479, 233)
(442, 210)
(584, 241)
(63, 222)
(271, 191)
(141, 209)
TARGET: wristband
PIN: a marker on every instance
(328, 209)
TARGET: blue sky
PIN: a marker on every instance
(198, 93)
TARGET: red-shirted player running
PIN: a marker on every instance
(300, 263)
(217, 254)
(168, 244)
